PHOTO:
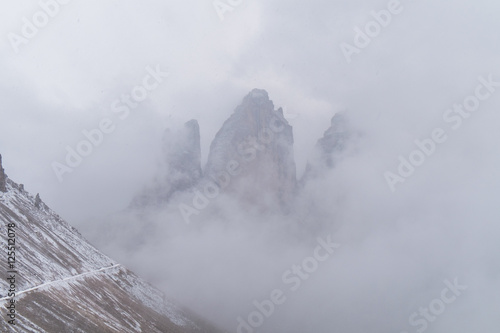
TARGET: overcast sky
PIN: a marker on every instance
(65, 78)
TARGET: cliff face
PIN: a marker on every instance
(183, 153)
(256, 140)
(180, 166)
(329, 147)
(334, 140)
(251, 158)
(260, 141)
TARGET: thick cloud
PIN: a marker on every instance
(397, 247)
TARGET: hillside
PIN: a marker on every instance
(61, 283)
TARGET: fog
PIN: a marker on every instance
(397, 244)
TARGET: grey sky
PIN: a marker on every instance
(397, 89)
(65, 78)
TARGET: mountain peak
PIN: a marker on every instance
(180, 166)
(257, 95)
(260, 140)
(328, 148)
(335, 138)
(254, 102)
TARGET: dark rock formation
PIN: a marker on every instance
(329, 147)
(180, 166)
(334, 140)
(260, 140)
(3, 177)
(38, 201)
(251, 157)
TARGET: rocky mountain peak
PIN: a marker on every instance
(329, 147)
(181, 149)
(180, 166)
(334, 139)
(260, 140)
(256, 108)
(258, 99)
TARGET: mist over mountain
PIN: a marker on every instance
(330, 147)
(251, 245)
(251, 158)
(58, 282)
(272, 166)
(180, 166)
(247, 226)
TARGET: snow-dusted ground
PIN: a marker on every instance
(47, 248)
(52, 283)
(63, 283)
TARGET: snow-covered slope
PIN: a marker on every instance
(63, 284)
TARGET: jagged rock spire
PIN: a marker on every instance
(329, 147)
(3, 177)
(38, 201)
(182, 151)
(251, 157)
(335, 139)
(260, 140)
(180, 166)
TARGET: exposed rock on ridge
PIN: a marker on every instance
(260, 140)
(3, 177)
(256, 142)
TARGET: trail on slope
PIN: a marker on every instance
(61, 280)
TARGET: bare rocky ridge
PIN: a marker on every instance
(257, 141)
(64, 284)
(260, 140)
(256, 138)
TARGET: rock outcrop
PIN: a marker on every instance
(329, 147)
(258, 139)
(255, 144)
(180, 166)
(3, 177)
